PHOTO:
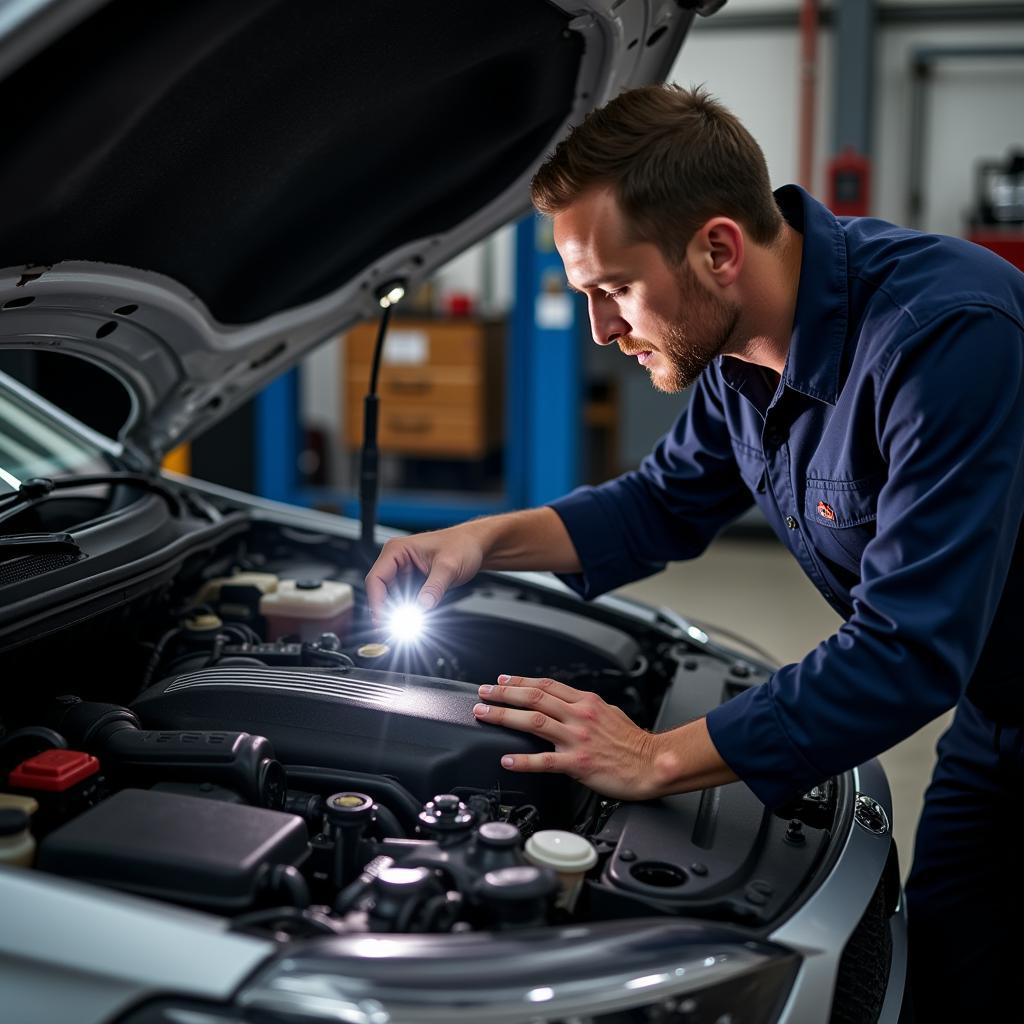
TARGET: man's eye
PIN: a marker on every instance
(613, 293)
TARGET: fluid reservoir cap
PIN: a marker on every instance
(204, 622)
(308, 584)
(347, 808)
(12, 821)
(403, 881)
(501, 834)
(563, 851)
(446, 811)
(372, 651)
(447, 804)
(525, 882)
(21, 803)
(329, 642)
(54, 771)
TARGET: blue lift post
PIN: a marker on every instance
(276, 429)
(542, 414)
(546, 392)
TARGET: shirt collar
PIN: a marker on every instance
(814, 361)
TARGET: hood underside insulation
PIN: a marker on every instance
(264, 152)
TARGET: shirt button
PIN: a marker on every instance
(791, 522)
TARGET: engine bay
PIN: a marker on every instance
(243, 741)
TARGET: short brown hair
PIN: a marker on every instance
(674, 157)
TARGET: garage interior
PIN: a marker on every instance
(907, 111)
(911, 112)
(493, 394)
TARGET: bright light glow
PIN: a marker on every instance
(698, 634)
(406, 623)
(647, 980)
(377, 948)
(540, 995)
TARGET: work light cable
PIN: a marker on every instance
(369, 476)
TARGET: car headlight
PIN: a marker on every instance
(640, 972)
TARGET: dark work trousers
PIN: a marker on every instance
(964, 894)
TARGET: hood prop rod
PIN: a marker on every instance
(369, 457)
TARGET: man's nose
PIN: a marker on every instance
(606, 325)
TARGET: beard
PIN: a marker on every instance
(688, 350)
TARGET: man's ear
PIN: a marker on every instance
(716, 252)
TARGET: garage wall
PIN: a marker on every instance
(756, 74)
(975, 109)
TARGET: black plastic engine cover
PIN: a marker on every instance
(491, 633)
(416, 729)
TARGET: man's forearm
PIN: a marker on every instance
(685, 759)
(533, 539)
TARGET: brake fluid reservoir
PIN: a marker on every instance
(264, 582)
(308, 608)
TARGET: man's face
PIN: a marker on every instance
(653, 310)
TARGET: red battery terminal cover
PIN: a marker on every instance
(53, 771)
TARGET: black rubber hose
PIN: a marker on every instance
(311, 921)
(156, 657)
(388, 823)
(40, 734)
(378, 787)
(287, 879)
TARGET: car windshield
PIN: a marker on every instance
(37, 439)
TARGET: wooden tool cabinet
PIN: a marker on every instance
(440, 385)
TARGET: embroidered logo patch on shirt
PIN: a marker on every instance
(825, 511)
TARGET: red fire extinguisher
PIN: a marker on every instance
(849, 184)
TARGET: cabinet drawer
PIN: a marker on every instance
(444, 385)
(415, 428)
(441, 387)
(412, 344)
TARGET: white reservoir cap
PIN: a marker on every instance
(563, 851)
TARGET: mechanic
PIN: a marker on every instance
(863, 384)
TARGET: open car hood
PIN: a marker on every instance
(194, 193)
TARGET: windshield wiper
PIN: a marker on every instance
(39, 488)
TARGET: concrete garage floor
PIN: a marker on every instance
(755, 588)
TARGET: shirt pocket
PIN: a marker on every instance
(841, 517)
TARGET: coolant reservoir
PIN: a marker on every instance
(264, 582)
(308, 608)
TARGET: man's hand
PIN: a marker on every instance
(594, 742)
(532, 539)
(447, 558)
(597, 744)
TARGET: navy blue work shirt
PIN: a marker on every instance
(889, 459)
